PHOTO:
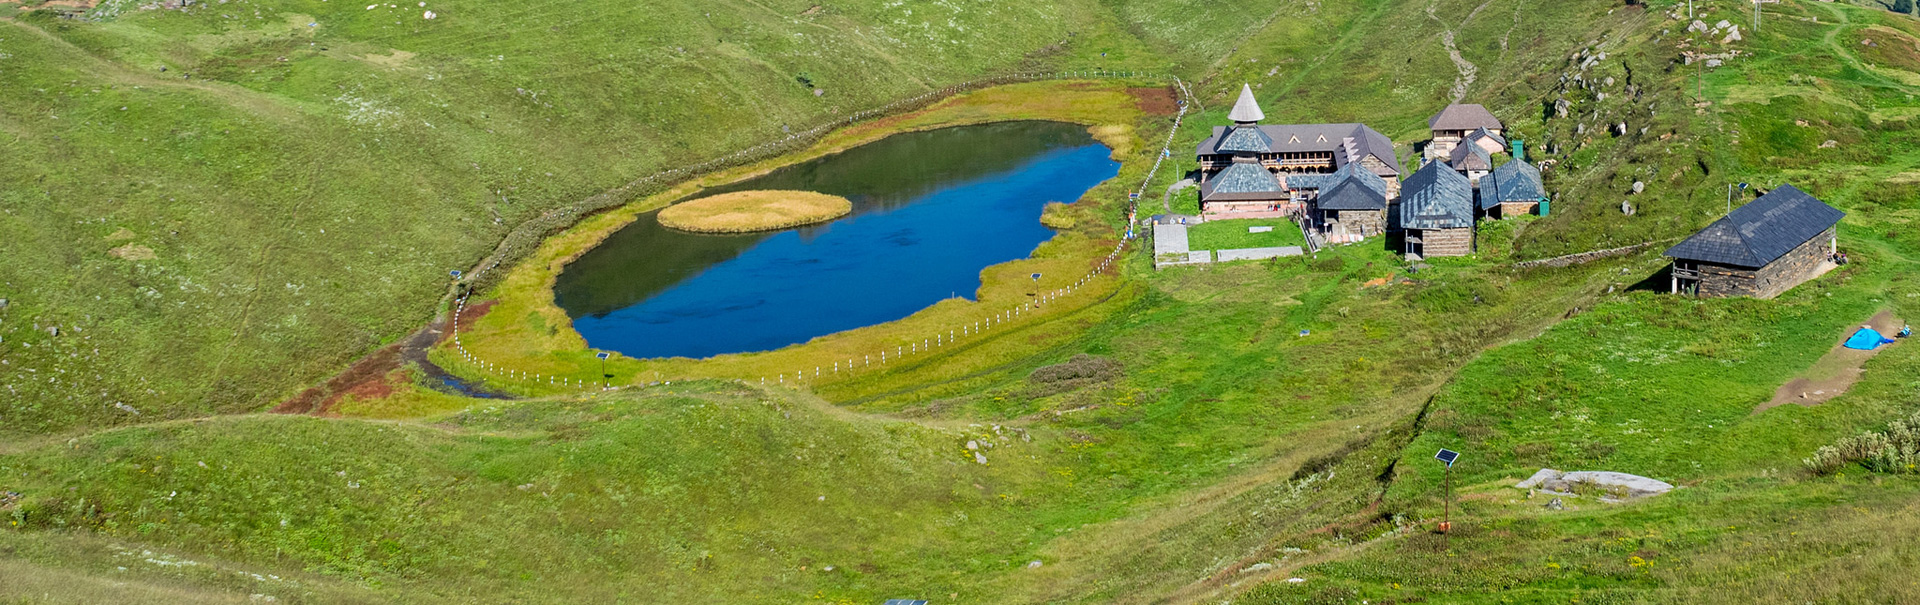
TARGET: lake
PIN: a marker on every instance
(930, 210)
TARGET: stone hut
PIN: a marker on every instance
(1354, 208)
(1472, 161)
(1436, 212)
(1454, 123)
(1761, 249)
(1511, 190)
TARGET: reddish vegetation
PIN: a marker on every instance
(470, 314)
(365, 378)
(1155, 101)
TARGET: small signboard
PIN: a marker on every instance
(1447, 456)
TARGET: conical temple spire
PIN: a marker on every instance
(1246, 110)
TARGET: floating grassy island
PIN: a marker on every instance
(748, 211)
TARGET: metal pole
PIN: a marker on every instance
(1446, 516)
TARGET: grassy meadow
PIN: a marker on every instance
(1258, 432)
(221, 204)
(1231, 234)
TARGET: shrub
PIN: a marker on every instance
(1082, 367)
(1894, 450)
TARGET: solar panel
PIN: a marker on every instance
(905, 602)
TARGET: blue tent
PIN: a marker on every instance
(1867, 340)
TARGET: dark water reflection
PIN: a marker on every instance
(930, 210)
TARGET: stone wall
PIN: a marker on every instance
(1440, 242)
(1513, 209)
(1782, 274)
(1367, 222)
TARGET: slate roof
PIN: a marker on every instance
(1483, 133)
(1761, 231)
(1354, 193)
(1349, 142)
(1327, 181)
(1436, 197)
(1246, 109)
(1470, 157)
(1243, 178)
(1246, 139)
(1515, 181)
(1463, 117)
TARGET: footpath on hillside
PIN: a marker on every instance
(1836, 371)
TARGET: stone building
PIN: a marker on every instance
(1436, 212)
(1453, 124)
(1511, 190)
(1472, 161)
(1761, 249)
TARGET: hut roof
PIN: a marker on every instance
(1248, 139)
(1246, 109)
(1354, 193)
(1326, 182)
(1436, 197)
(1470, 157)
(1515, 181)
(1761, 231)
(1243, 180)
(1463, 117)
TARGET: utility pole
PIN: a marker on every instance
(1446, 518)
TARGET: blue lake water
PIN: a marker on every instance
(930, 210)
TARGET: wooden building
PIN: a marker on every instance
(1436, 212)
(1511, 190)
(1453, 124)
(1761, 249)
(1285, 151)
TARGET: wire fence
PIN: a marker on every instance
(513, 248)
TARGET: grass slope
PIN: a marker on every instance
(302, 175)
(1207, 452)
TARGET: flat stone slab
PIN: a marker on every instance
(1632, 486)
(1259, 229)
(1169, 239)
(1258, 253)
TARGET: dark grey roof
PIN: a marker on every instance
(1463, 117)
(1327, 181)
(1761, 231)
(1354, 193)
(1483, 133)
(1469, 156)
(1515, 181)
(1242, 177)
(1436, 197)
(1247, 139)
(1350, 142)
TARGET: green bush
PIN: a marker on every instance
(1895, 450)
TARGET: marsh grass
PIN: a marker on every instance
(749, 211)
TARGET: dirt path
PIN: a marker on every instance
(1468, 71)
(1835, 372)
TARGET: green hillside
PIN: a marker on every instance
(1255, 432)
